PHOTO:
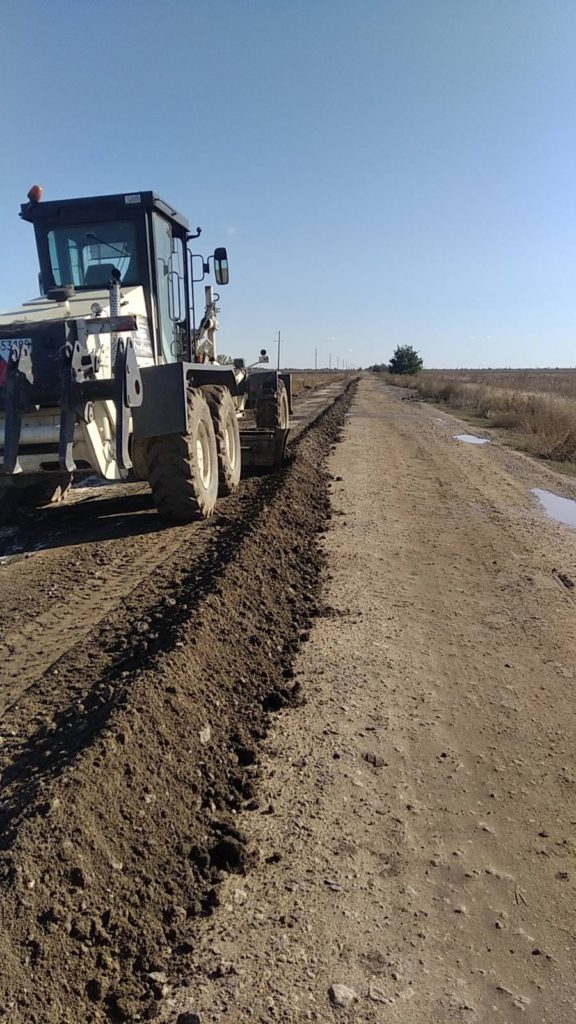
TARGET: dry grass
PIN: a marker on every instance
(544, 418)
(549, 382)
(310, 380)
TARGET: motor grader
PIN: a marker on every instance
(108, 373)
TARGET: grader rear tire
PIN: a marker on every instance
(139, 456)
(183, 468)
(227, 433)
(274, 412)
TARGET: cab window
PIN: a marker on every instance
(85, 254)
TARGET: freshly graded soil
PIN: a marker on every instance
(140, 669)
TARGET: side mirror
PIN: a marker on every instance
(221, 266)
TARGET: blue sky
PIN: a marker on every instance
(382, 172)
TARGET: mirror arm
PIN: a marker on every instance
(194, 256)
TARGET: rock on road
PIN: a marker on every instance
(417, 850)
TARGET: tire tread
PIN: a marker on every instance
(172, 476)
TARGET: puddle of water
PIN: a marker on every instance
(16, 552)
(9, 544)
(93, 481)
(12, 548)
(471, 439)
(563, 510)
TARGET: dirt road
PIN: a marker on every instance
(318, 766)
(418, 839)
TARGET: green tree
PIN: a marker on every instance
(406, 360)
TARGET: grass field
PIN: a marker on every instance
(537, 406)
(550, 382)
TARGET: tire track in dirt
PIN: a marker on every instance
(31, 650)
(99, 552)
(121, 778)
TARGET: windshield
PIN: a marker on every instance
(85, 254)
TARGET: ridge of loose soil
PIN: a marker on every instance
(118, 807)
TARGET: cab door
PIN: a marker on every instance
(170, 290)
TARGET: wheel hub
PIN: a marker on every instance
(203, 455)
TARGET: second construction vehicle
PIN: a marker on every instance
(107, 371)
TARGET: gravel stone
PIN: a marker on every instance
(342, 996)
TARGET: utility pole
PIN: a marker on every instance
(315, 359)
(330, 361)
(278, 342)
